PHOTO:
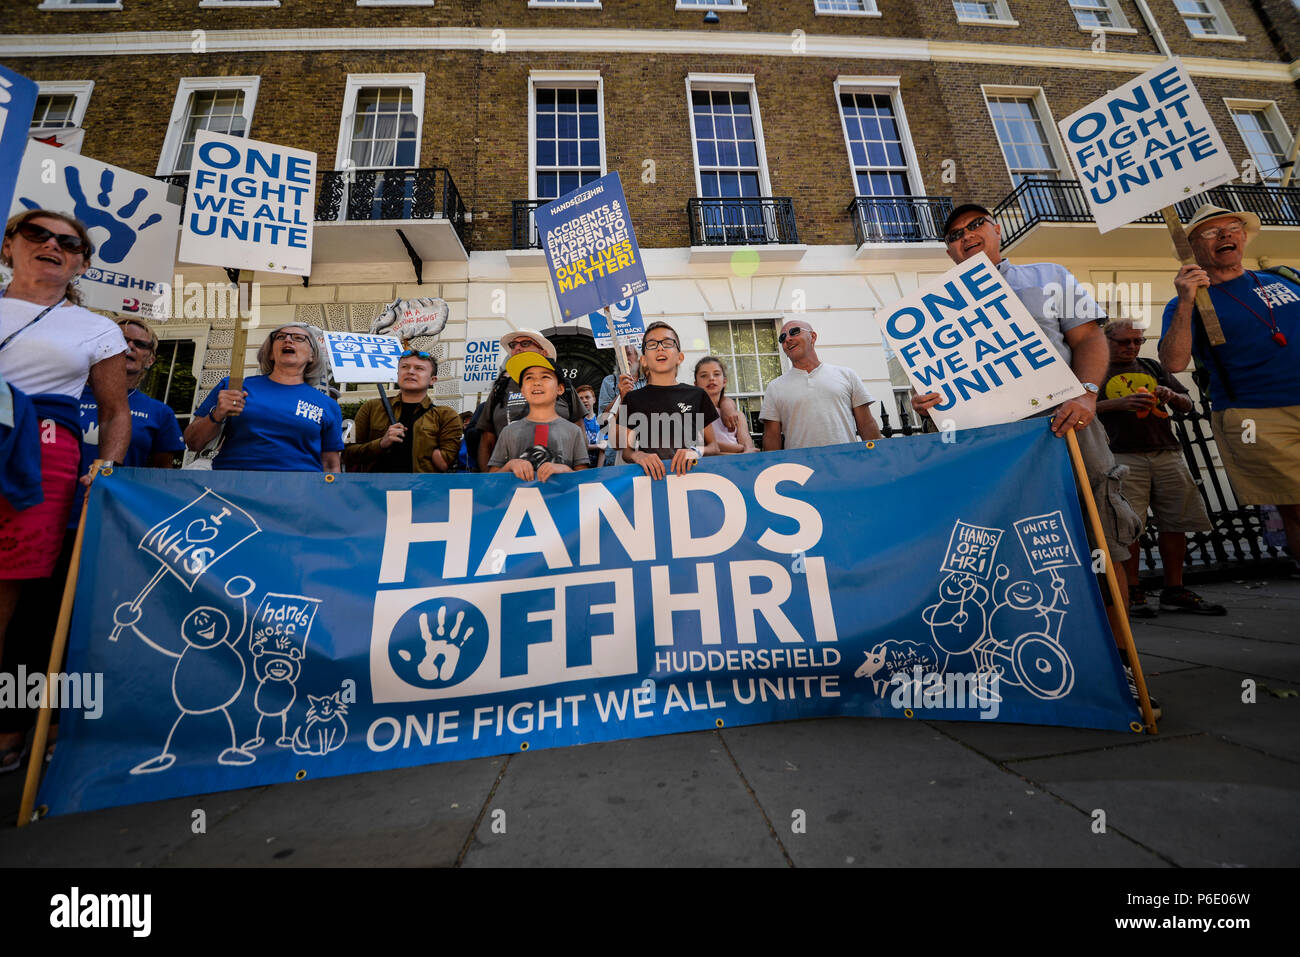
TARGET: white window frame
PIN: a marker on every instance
(211, 4)
(1063, 169)
(727, 81)
(78, 7)
(180, 111)
(1221, 19)
(81, 89)
(892, 86)
(394, 3)
(1120, 25)
(719, 6)
(870, 11)
(359, 81)
(1275, 120)
(564, 4)
(555, 79)
(1004, 18)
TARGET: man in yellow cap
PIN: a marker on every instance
(1254, 390)
(542, 444)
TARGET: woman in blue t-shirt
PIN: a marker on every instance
(277, 422)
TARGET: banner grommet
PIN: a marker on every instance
(907, 713)
(523, 746)
(1137, 727)
(871, 445)
(719, 722)
(329, 476)
(300, 775)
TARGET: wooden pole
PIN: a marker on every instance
(239, 348)
(1291, 155)
(1209, 318)
(36, 760)
(1099, 537)
(619, 358)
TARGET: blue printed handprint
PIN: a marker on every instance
(121, 236)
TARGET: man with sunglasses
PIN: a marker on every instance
(813, 403)
(1071, 319)
(1254, 376)
(425, 437)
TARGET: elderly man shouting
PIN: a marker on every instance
(1254, 392)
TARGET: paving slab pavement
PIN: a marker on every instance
(1217, 787)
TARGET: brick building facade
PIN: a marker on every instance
(473, 89)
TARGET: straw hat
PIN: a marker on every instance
(1210, 211)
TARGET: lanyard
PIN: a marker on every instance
(10, 338)
(1271, 322)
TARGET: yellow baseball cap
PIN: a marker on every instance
(517, 365)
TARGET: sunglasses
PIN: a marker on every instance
(655, 345)
(291, 336)
(792, 334)
(71, 242)
(961, 231)
(417, 353)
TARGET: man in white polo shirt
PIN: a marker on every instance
(814, 403)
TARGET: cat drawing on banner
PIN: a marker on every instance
(324, 730)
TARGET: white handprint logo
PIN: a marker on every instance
(441, 654)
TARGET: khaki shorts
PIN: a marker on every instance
(1162, 481)
(1260, 449)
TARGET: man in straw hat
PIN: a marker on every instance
(1254, 377)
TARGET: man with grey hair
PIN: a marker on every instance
(1135, 396)
(813, 403)
(1254, 375)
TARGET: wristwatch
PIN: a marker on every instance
(213, 417)
(1091, 387)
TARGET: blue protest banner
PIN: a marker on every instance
(17, 104)
(628, 324)
(591, 247)
(424, 621)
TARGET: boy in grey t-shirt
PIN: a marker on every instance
(542, 444)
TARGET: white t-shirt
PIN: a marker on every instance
(54, 355)
(815, 408)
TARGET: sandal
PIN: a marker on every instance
(11, 759)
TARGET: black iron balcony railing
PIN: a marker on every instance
(1037, 201)
(742, 221)
(369, 194)
(899, 219)
(374, 194)
(523, 230)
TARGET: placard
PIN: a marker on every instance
(129, 219)
(628, 323)
(1144, 146)
(481, 366)
(250, 205)
(361, 357)
(967, 336)
(17, 104)
(591, 248)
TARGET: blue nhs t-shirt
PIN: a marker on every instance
(283, 428)
(153, 429)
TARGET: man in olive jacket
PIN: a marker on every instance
(425, 437)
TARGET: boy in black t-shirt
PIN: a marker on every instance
(665, 420)
(543, 444)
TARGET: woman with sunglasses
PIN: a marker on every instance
(50, 348)
(277, 422)
(421, 436)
